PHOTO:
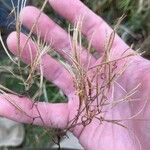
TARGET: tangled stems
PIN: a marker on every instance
(93, 85)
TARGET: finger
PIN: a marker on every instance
(52, 33)
(52, 69)
(93, 26)
(26, 111)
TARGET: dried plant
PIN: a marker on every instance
(93, 89)
(94, 85)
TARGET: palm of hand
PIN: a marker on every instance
(132, 113)
(95, 135)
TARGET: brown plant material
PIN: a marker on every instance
(93, 84)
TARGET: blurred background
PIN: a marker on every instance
(135, 29)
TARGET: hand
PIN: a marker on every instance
(95, 135)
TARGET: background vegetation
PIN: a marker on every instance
(134, 29)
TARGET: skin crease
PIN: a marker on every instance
(95, 136)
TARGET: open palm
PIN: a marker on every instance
(96, 135)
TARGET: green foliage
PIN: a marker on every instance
(137, 22)
(37, 137)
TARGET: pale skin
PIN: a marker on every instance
(95, 136)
